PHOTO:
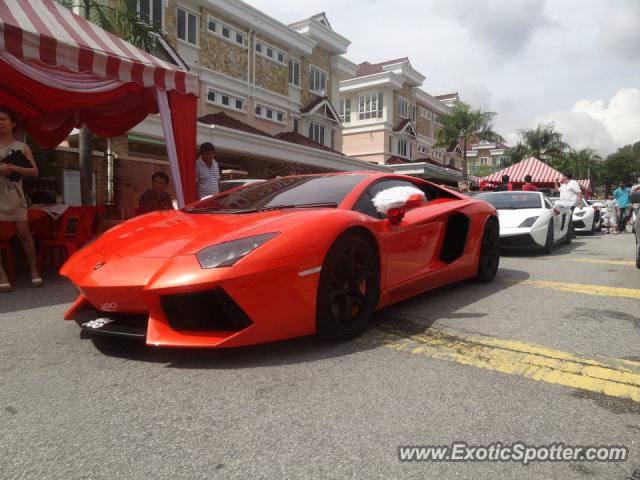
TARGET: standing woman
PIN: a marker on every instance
(13, 204)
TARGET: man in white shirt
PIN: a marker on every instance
(570, 191)
(207, 171)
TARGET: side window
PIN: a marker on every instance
(547, 204)
(365, 202)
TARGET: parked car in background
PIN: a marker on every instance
(587, 217)
(528, 220)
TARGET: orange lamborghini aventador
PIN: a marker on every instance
(279, 259)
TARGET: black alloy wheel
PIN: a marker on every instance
(348, 290)
(548, 245)
(489, 260)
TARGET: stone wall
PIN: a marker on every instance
(170, 22)
(423, 125)
(406, 92)
(218, 54)
(321, 59)
(272, 76)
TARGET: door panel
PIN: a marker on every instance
(412, 246)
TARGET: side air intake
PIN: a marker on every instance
(455, 237)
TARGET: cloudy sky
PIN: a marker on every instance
(573, 62)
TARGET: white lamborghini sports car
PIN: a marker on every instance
(529, 220)
(587, 217)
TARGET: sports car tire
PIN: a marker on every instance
(637, 254)
(348, 290)
(593, 227)
(489, 260)
(548, 245)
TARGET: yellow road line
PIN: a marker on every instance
(583, 288)
(612, 377)
(600, 261)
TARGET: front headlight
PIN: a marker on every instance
(528, 222)
(579, 214)
(228, 253)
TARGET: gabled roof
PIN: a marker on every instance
(322, 19)
(295, 137)
(225, 120)
(404, 125)
(317, 104)
(366, 68)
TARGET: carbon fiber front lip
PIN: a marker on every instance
(113, 325)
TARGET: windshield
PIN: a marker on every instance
(512, 200)
(286, 192)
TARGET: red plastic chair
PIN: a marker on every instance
(76, 229)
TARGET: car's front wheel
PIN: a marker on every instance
(348, 290)
(637, 254)
(489, 260)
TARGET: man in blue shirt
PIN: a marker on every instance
(622, 195)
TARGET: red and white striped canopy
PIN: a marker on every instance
(540, 172)
(44, 31)
(586, 184)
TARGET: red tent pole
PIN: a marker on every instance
(183, 117)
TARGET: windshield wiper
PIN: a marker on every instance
(300, 205)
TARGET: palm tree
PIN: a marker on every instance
(464, 125)
(582, 162)
(122, 19)
(542, 142)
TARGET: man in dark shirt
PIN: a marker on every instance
(156, 198)
(504, 185)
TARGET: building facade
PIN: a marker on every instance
(485, 157)
(386, 116)
(268, 94)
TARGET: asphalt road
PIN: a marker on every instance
(549, 352)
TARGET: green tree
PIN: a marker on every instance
(121, 18)
(623, 165)
(582, 163)
(465, 124)
(543, 142)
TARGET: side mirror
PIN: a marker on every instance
(394, 201)
(635, 197)
(395, 215)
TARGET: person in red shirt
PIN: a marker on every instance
(528, 186)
